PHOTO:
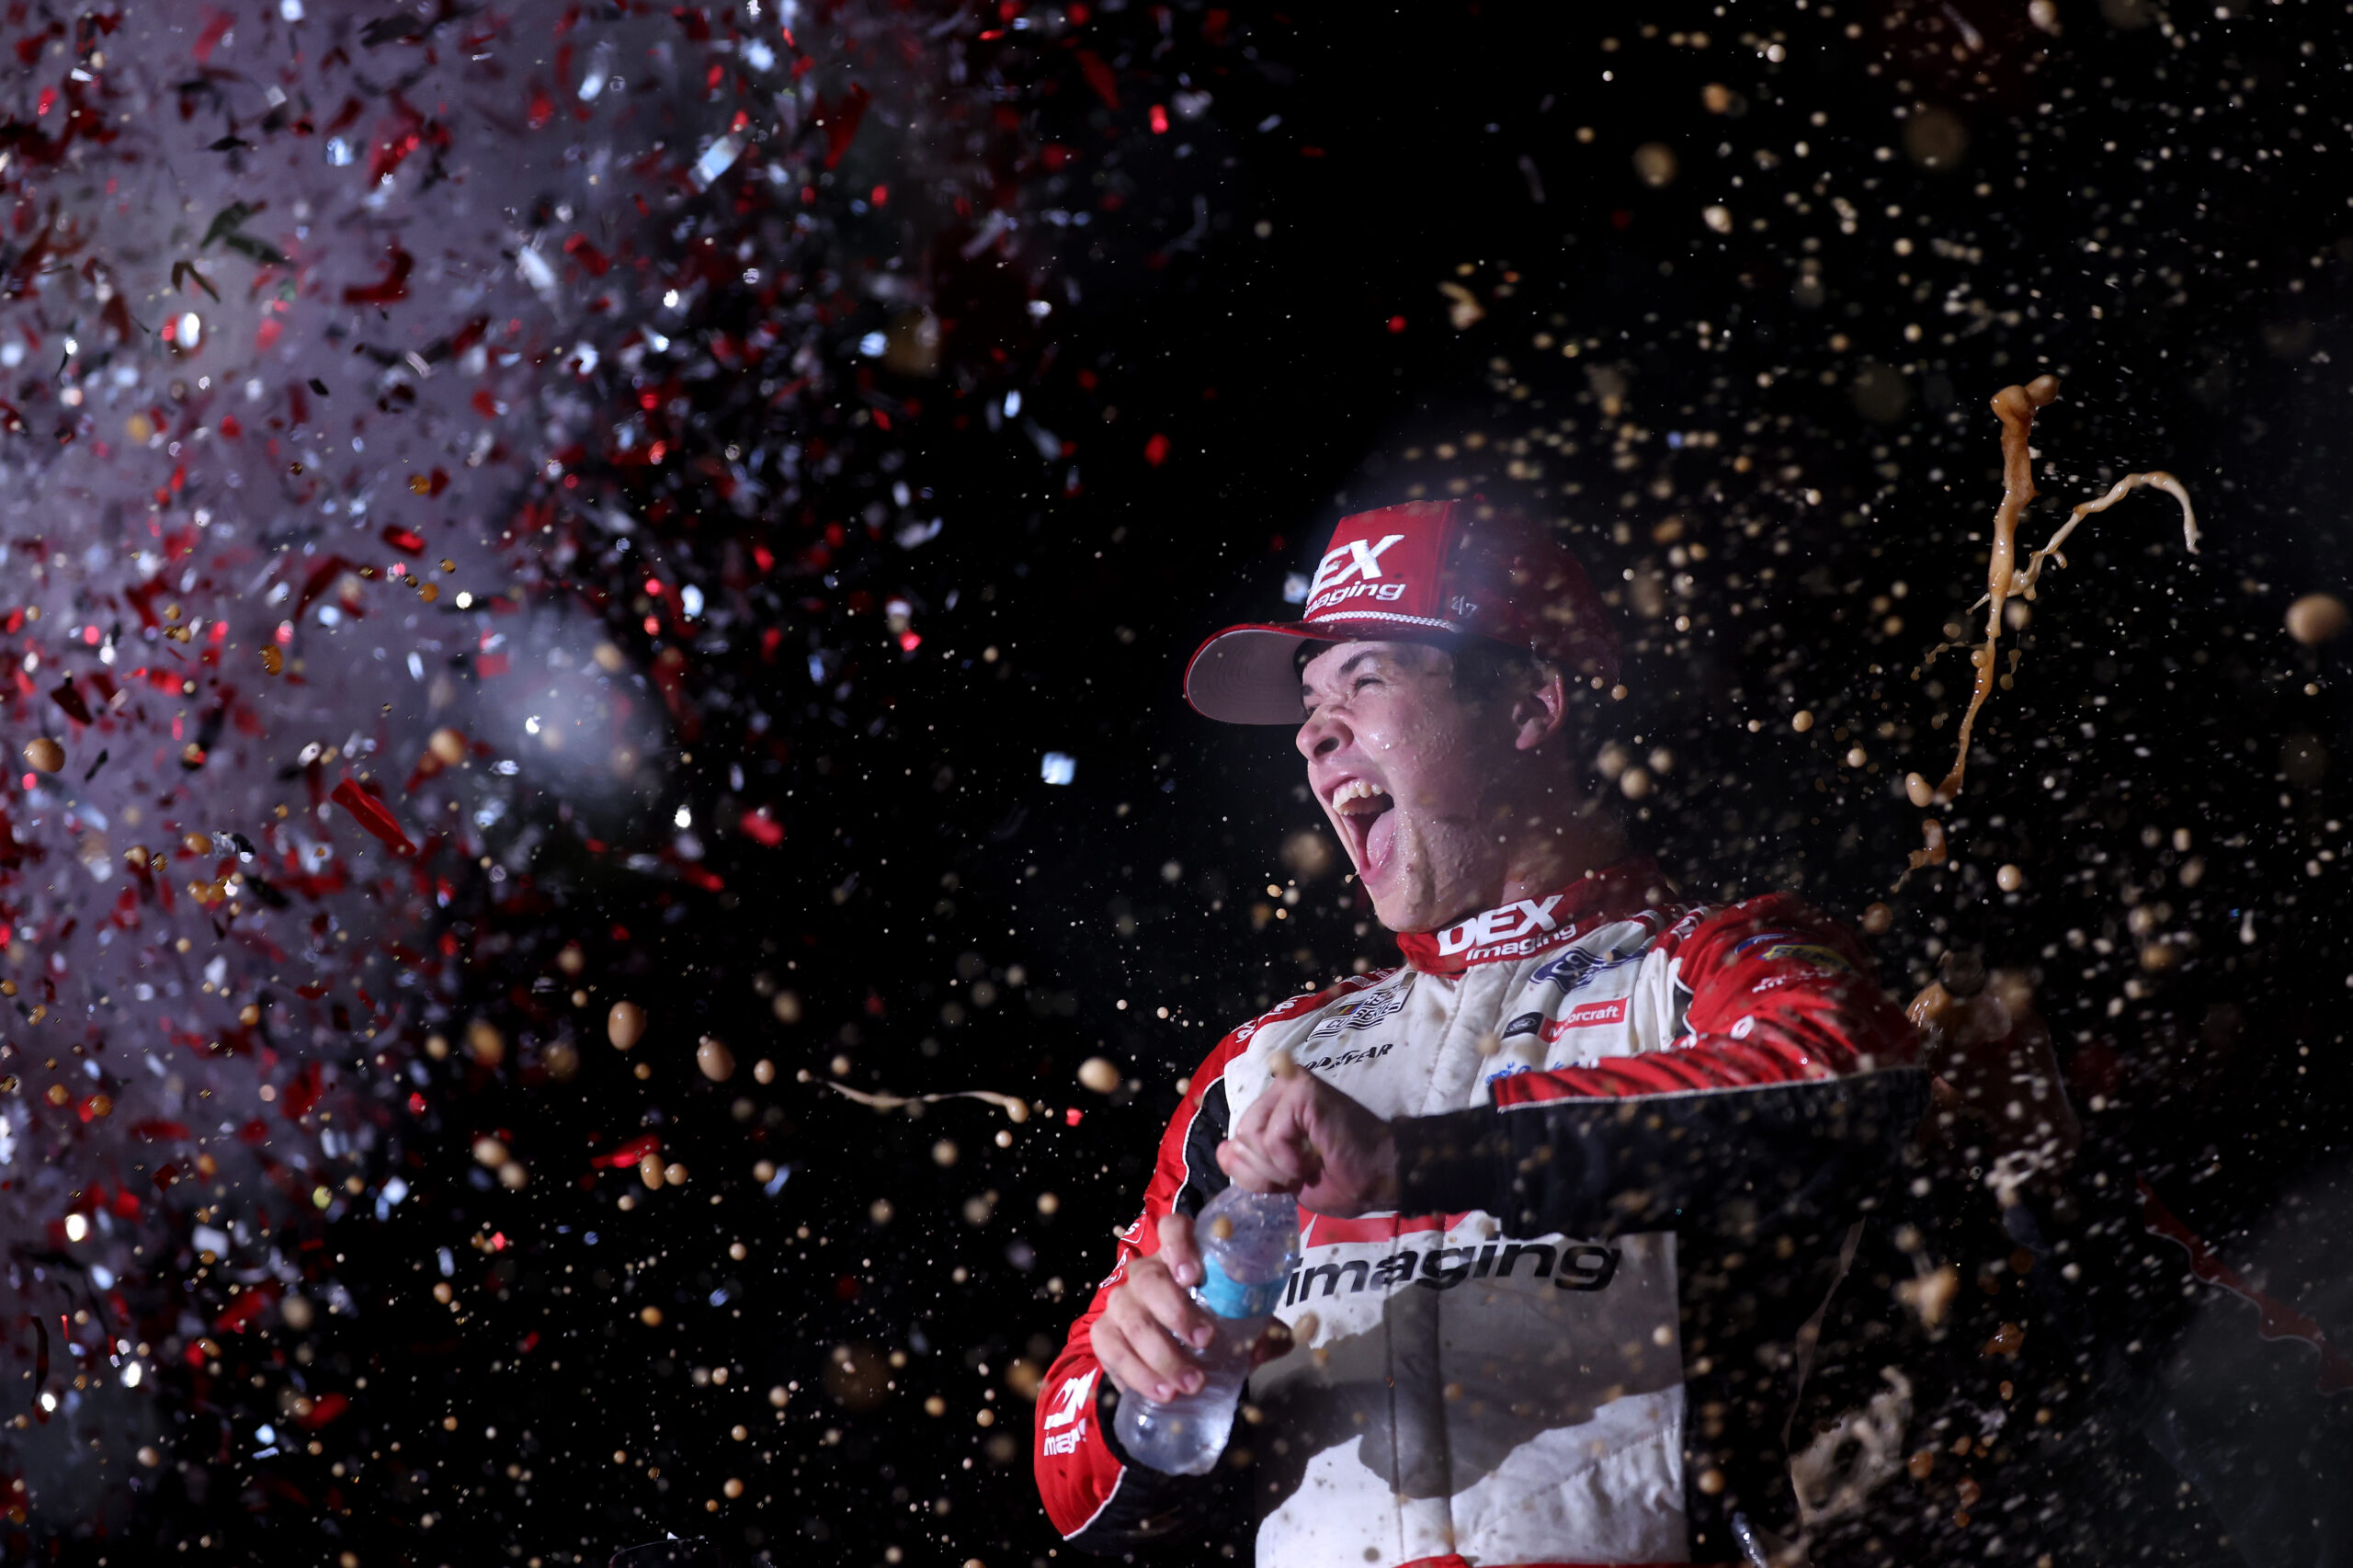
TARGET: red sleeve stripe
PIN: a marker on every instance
(1078, 1477)
(1778, 994)
(1664, 1072)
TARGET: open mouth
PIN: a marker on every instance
(1363, 811)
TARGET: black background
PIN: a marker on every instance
(2143, 206)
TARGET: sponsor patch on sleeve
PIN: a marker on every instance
(1822, 958)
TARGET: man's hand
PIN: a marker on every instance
(1136, 1338)
(1303, 1136)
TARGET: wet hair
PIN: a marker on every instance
(1488, 672)
(1485, 668)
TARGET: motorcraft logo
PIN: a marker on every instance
(1500, 932)
(1587, 1015)
(1570, 1266)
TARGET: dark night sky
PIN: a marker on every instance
(1249, 337)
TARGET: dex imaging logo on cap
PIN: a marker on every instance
(1358, 558)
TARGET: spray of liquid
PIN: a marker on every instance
(2004, 580)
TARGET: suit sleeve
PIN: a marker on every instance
(1098, 1501)
(1787, 1091)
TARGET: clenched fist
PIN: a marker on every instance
(1302, 1135)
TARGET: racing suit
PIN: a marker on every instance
(1635, 1140)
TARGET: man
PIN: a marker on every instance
(1576, 1180)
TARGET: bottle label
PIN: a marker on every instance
(1230, 1298)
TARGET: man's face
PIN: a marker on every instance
(1406, 772)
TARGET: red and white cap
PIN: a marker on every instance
(1423, 572)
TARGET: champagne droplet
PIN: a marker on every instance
(625, 1025)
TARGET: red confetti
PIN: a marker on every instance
(840, 121)
(1155, 452)
(241, 1309)
(631, 1152)
(372, 815)
(392, 286)
(589, 255)
(1099, 77)
(325, 1408)
(313, 585)
(65, 697)
(216, 27)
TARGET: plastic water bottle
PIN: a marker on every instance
(1249, 1244)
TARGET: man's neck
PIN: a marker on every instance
(1549, 844)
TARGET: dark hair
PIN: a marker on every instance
(1483, 666)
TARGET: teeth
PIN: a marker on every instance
(1354, 790)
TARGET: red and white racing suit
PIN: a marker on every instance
(1634, 1137)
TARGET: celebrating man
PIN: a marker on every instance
(1576, 1180)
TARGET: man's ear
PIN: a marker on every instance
(1538, 708)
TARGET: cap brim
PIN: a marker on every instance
(1248, 674)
